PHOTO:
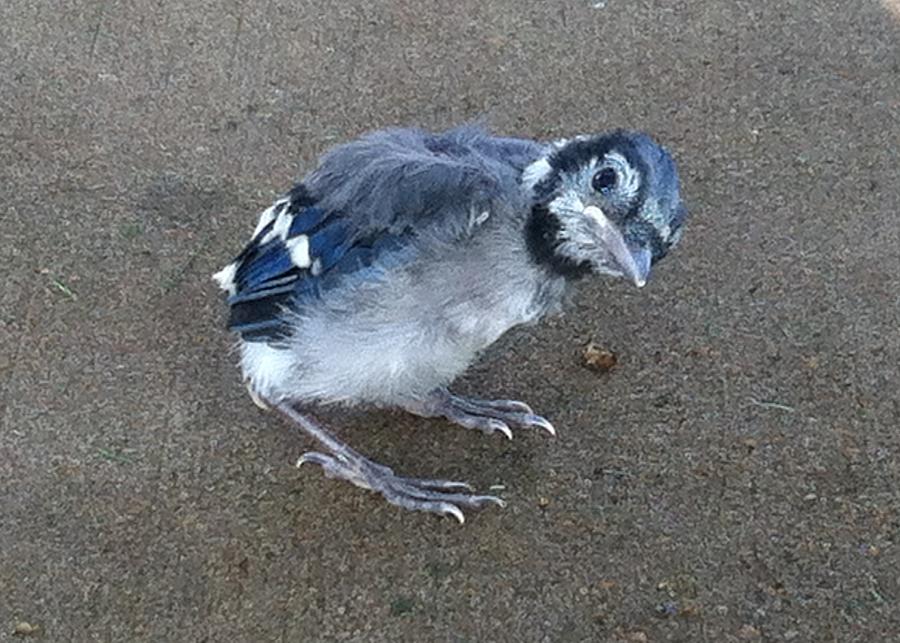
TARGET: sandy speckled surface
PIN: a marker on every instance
(735, 476)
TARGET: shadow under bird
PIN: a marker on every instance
(381, 276)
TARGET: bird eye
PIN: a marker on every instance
(604, 180)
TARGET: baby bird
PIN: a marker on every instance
(381, 276)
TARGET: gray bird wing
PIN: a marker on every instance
(368, 206)
(399, 179)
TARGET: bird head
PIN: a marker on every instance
(607, 204)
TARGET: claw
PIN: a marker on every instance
(543, 423)
(315, 457)
(454, 511)
(498, 426)
(489, 416)
(520, 406)
(449, 485)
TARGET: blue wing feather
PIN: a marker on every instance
(267, 280)
(305, 219)
(270, 263)
(330, 243)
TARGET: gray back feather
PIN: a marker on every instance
(398, 178)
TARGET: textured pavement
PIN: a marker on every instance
(735, 477)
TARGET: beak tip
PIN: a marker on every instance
(632, 262)
(640, 270)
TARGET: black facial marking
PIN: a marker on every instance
(546, 188)
(541, 236)
(642, 233)
(577, 154)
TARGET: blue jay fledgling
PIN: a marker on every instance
(380, 277)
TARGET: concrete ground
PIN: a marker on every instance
(736, 476)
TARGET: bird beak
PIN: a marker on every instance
(632, 263)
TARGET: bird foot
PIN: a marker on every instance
(444, 497)
(489, 416)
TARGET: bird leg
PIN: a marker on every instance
(443, 497)
(489, 416)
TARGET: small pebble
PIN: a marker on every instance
(667, 609)
(598, 359)
(748, 631)
(24, 628)
(869, 550)
(689, 611)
